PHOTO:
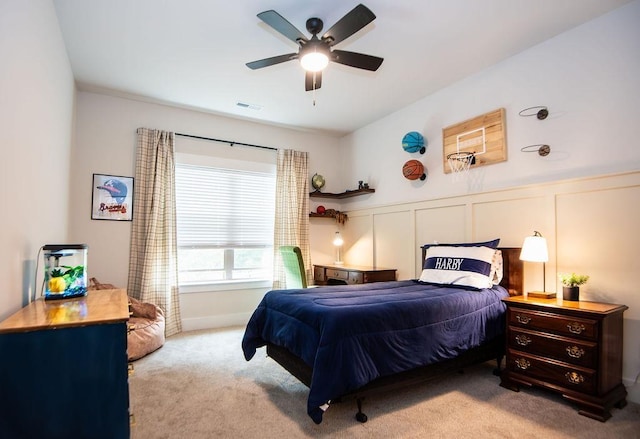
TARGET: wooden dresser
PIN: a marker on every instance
(573, 348)
(63, 368)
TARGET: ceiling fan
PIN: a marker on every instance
(315, 53)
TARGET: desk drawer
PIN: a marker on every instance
(337, 274)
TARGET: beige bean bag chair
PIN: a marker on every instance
(146, 325)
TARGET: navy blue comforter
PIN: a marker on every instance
(351, 335)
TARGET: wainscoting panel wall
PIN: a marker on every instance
(391, 247)
(591, 225)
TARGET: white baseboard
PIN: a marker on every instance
(213, 322)
(633, 390)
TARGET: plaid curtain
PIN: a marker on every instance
(153, 266)
(292, 210)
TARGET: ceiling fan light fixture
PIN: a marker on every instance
(314, 61)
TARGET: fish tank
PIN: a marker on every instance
(65, 270)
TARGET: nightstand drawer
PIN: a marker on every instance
(570, 377)
(581, 353)
(554, 323)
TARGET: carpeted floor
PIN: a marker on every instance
(199, 386)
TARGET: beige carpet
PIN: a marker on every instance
(199, 386)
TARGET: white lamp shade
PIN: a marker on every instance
(314, 61)
(337, 240)
(534, 249)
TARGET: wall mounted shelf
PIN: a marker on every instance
(345, 194)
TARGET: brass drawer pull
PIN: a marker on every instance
(574, 377)
(575, 351)
(575, 328)
(522, 363)
(523, 340)
(523, 319)
(130, 369)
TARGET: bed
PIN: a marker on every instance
(351, 342)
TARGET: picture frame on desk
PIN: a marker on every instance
(111, 197)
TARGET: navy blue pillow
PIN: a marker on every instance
(492, 244)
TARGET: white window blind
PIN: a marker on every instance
(225, 223)
(220, 208)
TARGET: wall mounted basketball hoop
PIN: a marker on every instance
(460, 163)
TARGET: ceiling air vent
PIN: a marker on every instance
(249, 106)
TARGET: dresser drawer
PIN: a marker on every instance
(570, 377)
(555, 323)
(570, 350)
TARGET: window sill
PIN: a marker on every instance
(226, 286)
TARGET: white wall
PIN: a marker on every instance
(36, 121)
(105, 143)
(587, 77)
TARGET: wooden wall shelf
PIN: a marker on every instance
(345, 194)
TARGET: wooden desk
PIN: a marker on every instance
(351, 274)
(63, 372)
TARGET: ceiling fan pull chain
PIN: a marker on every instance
(314, 89)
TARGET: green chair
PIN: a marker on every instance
(295, 274)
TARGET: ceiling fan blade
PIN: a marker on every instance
(271, 61)
(348, 25)
(357, 60)
(279, 23)
(309, 81)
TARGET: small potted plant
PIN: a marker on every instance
(571, 285)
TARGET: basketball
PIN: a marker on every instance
(413, 142)
(413, 170)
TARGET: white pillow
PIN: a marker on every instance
(466, 266)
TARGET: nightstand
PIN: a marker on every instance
(572, 348)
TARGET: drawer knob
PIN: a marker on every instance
(575, 351)
(523, 363)
(523, 319)
(574, 377)
(575, 328)
(523, 340)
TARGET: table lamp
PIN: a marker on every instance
(337, 242)
(534, 249)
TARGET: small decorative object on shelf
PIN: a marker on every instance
(340, 217)
(413, 141)
(413, 170)
(317, 181)
(571, 285)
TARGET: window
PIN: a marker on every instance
(225, 224)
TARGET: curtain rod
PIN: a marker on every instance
(230, 142)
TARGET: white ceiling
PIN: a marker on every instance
(192, 53)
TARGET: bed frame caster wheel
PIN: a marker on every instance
(360, 417)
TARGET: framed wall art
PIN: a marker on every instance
(483, 136)
(112, 197)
